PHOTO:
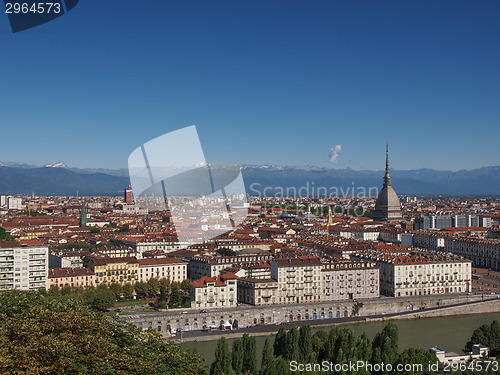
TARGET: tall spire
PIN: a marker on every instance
(387, 177)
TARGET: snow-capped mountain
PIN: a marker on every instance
(56, 164)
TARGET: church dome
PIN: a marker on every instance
(387, 206)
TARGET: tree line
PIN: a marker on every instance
(102, 296)
(338, 346)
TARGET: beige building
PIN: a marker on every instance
(73, 277)
(114, 270)
(347, 280)
(257, 292)
(299, 279)
(214, 291)
(170, 268)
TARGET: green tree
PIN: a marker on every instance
(237, 356)
(153, 286)
(117, 289)
(385, 345)
(54, 291)
(222, 362)
(175, 298)
(95, 230)
(141, 289)
(249, 354)
(356, 307)
(185, 285)
(414, 356)
(4, 236)
(100, 298)
(305, 344)
(43, 334)
(291, 347)
(487, 336)
(128, 291)
(267, 356)
(279, 342)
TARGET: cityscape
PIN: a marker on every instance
(250, 188)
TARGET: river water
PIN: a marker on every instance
(449, 333)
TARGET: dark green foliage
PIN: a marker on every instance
(267, 356)
(44, 334)
(279, 342)
(487, 336)
(305, 344)
(128, 291)
(385, 345)
(415, 356)
(141, 289)
(237, 356)
(4, 236)
(291, 347)
(249, 354)
(222, 362)
(175, 298)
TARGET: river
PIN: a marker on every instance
(449, 333)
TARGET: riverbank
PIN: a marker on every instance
(487, 306)
(448, 332)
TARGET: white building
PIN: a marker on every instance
(483, 253)
(215, 291)
(478, 352)
(419, 272)
(170, 268)
(15, 204)
(24, 267)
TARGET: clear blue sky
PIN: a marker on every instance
(277, 82)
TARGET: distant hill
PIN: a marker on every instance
(62, 180)
(58, 181)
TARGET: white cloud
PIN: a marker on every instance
(334, 154)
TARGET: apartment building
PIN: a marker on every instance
(73, 277)
(23, 267)
(347, 280)
(170, 268)
(210, 266)
(412, 272)
(482, 253)
(114, 270)
(299, 279)
(215, 291)
(257, 292)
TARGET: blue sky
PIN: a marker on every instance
(278, 82)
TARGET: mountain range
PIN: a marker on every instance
(59, 179)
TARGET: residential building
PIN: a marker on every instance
(215, 291)
(114, 270)
(170, 268)
(73, 277)
(257, 292)
(299, 279)
(347, 280)
(483, 253)
(23, 267)
(412, 272)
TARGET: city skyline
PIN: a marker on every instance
(282, 83)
